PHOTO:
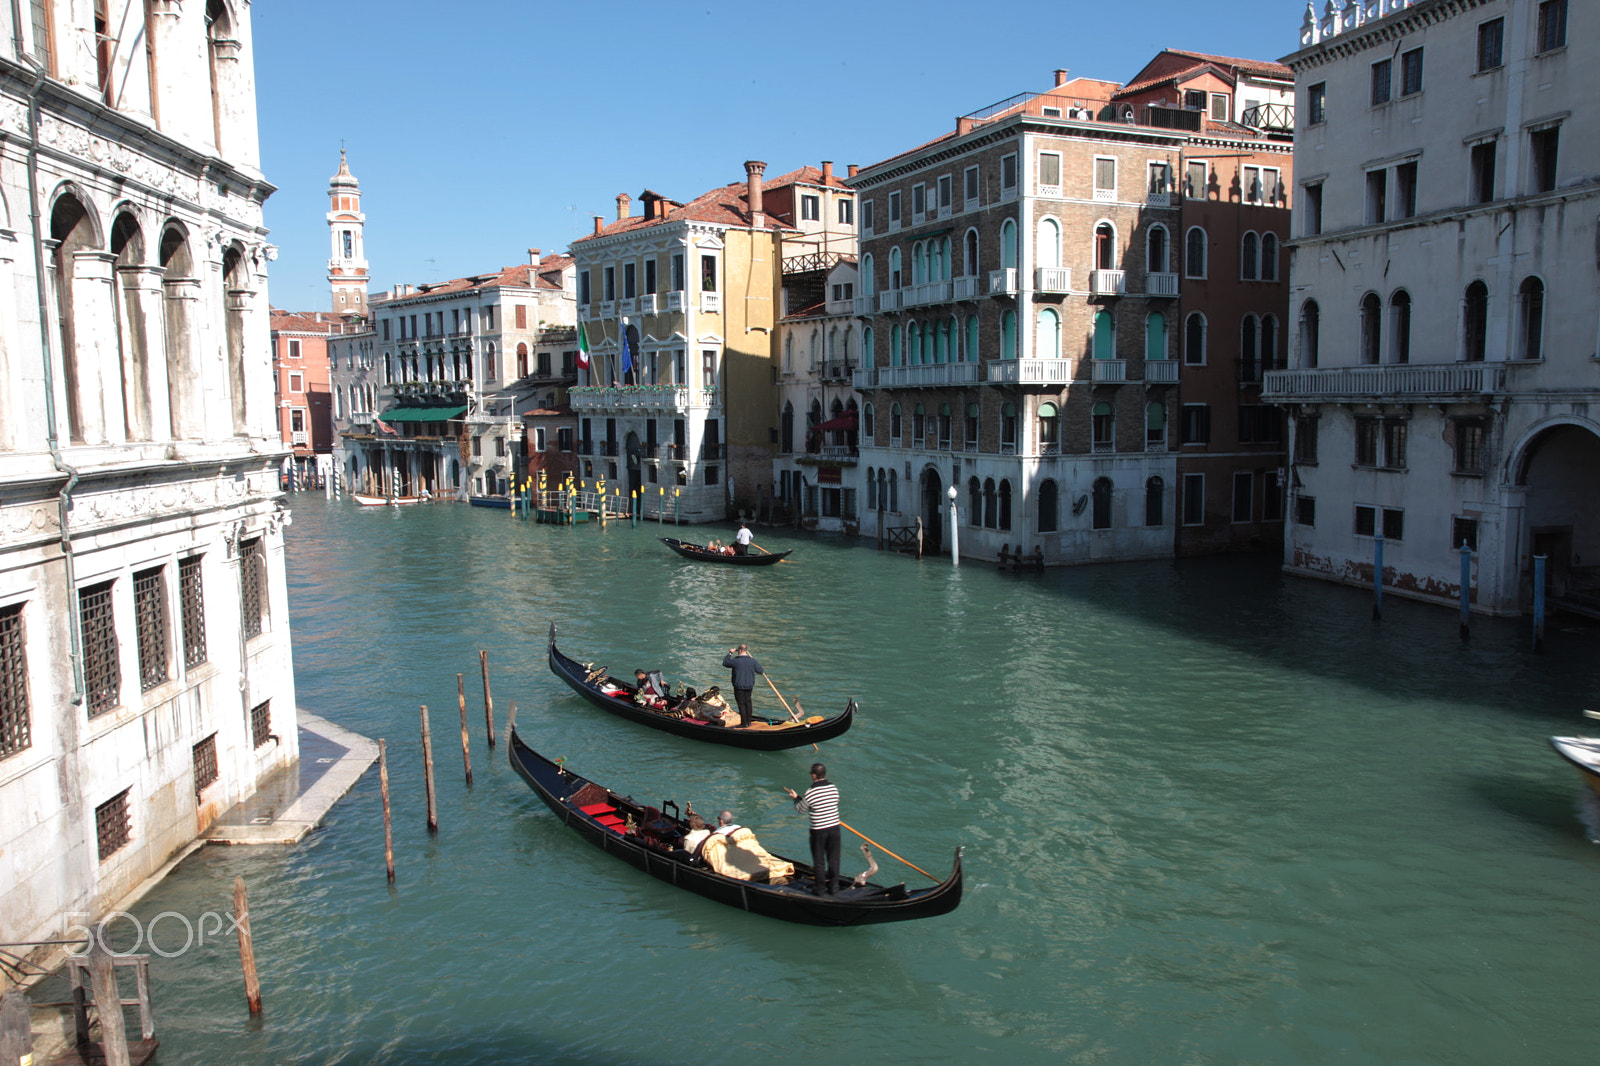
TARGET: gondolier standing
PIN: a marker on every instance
(745, 669)
(821, 804)
(742, 539)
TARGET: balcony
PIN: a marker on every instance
(1158, 198)
(1160, 284)
(647, 304)
(864, 304)
(608, 448)
(1003, 282)
(1424, 383)
(889, 300)
(925, 376)
(929, 292)
(1052, 279)
(966, 288)
(299, 438)
(1108, 282)
(836, 370)
(1030, 371)
(711, 302)
(709, 450)
(675, 300)
(359, 418)
(586, 447)
(1278, 118)
(1108, 371)
(629, 397)
(1105, 196)
(1161, 371)
(628, 306)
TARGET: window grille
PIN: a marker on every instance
(205, 764)
(102, 668)
(113, 825)
(252, 580)
(191, 594)
(15, 714)
(150, 618)
(261, 723)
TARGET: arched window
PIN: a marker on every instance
(1310, 334)
(1194, 253)
(1008, 244)
(223, 49)
(1194, 339)
(944, 351)
(1049, 243)
(945, 419)
(939, 266)
(1004, 517)
(869, 279)
(974, 502)
(1250, 257)
(970, 430)
(1154, 502)
(989, 504)
(869, 422)
(1049, 429)
(1400, 327)
(896, 278)
(1371, 329)
(1047, 506)
(1269, 257)
(894, 492)
(1104, 427)
(913, 343)
(1249, 363)
(1102, 503)
(1475, 322)
(872, 491)
(1155, 426)
(896, 350)
(919, 425)
(816, 343)
(971, 352)
(788, 427)
(867, 354)
(127, 244)
(833, 343)
(1155, 336)
(883, 488)
(1049, 334)
(522, 360)
(1105, 247)
(1530, 318)
(1008, 335)
(1269, 343)
(919, 264)
(1155, 255)
(1008, 429)
(970, 257)
(894, 425)
(788, 352)
(1105, 336)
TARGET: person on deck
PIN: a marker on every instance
(821, 804)
(733, 851)
(742, 540)
(745, 669)
(647, 692)
(698, 831)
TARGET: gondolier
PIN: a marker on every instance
(742, 539)
(821, 805)
(745, 669)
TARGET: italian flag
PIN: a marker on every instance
(583, 347)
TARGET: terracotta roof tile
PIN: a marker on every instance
(726, 205)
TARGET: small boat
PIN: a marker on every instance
(705, 555)
(402, 500)
(762, 734)
(646, 838)
(1583, 753)
(369, 501)
(502, 502)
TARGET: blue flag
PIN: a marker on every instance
(627, 356)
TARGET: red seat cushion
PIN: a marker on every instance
(597, 808)
(610, 821)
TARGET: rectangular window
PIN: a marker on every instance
(1272, 497)
(1366, 442)
(1366, 521)
(191, 599)
(1464, 532)
(583, 288)
(1260, 424)
(1552, 25)
(102, 666)
(297, 383)
(150, 621)
(1469, 444)
(1313, 215)
(1008, 173)
(542, 364)
(708, 368)
(1317, 103)
(205, 765)
(708, 273)
(1411, 72)
(1543, 145)
(1160, 179)
(1219, 107)
(1050, 170)
(677, 272)
(866, 214)
(520, 311)
(919, 202)
(16, 713)
(385, 323)
(1491, 44)
(946, 186)
(846, 211)
(1405, 190)
(1244, 487)
(1377, 195)
(488, 317)
(1305, 511)
(1105, 178)
(1382, 80)
(1482, 164)
(1194, 499)
(252, 586)
(1194, 181)
(629, 289)
(713, 475)
(564, 439)
(810, 208)
(650, 277)
(1394, 524)
(610, 284)
(969, 183)
(261, 723)
(294, 349)
(1394, 444)
(113, 825)
(894, 209)
(1196, 423)
(1305, 441)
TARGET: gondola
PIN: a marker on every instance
(763, 734)
(643, 837)
(1584, 754)
(699, 552)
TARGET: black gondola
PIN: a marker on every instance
(764, 734)
(644, 838)
(700, 552)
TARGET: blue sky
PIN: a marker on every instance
(482, 128)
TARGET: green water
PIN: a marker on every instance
(1212, 815)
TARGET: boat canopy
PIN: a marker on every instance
(422, 414)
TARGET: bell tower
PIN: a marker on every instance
(347, 265)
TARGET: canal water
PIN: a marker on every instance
(1212, 815)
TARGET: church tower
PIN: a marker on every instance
(347, 266)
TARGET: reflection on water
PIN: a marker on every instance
(1212, 815)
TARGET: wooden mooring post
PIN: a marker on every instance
(247, 950)
(1377, 577)
(466, 748)
(108, 1000)
(488, 700)
(427, 772)
(1466, 591)
(388, 830)
(1538, 602)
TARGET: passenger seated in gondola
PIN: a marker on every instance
(710, 707)
(649, 690)
(732, 851)
(698, 831)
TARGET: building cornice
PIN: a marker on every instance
(1383, 31)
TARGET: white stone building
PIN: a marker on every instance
(145, 675)
(1443, 383)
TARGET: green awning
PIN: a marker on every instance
(422, 414)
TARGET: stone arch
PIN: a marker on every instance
(137, 301)
(180, 295)
(236, 293)
(932, 509)
(76, 238)
(1553, 466)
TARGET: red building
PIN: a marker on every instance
(301, 395)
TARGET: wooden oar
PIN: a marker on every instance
(797, 718)
(891, 854)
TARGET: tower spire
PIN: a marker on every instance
(347, 263)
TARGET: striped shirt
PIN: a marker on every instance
(821, 802)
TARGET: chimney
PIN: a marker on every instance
(533, 257)
(624, 205)
(599, 223)
(963, 125)
(852, 170)
(827, 172)
(753, 169)
(1061, 77)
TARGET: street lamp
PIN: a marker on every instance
(955, 547)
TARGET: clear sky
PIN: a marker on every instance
(482, 128)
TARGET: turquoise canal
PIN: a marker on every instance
(1212, 815)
